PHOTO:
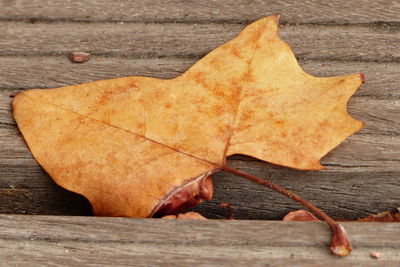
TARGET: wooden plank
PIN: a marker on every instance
(55, 71)
(311, 11)
(44, 240)
(183, 40)
(362, 178)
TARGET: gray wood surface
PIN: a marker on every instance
(19, 72)
(308, 11)
(85, 241)
(162, 39)
(356, 42)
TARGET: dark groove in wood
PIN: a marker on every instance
(124, 55)
(191, 41)
(395, 25)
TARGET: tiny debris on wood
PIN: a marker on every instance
(185, 216)
(13, 94)
(375, 254)
(79, 57)
(300, 216)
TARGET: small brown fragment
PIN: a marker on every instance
(191, 215)
(375, 254)
(169, 217)
(300, 216)
(386, 216)
(79, 57)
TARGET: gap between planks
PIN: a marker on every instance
(383, 25)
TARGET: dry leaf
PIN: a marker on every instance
(130, 144)
(386, 216)
(306, 216)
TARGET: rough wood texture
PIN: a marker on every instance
(53, 71)
(309, 11)
(169, 39)
(141, 38)
(79, 241)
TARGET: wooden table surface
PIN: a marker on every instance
(162, 39)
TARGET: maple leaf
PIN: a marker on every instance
(132, 145)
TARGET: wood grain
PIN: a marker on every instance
(309, 11)
(54, 71)
(83, 241)
(183, 40)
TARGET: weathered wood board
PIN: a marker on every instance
(310, 11)
(88, 241)
(356, 42)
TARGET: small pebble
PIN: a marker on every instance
(375, 255)
(79, 57)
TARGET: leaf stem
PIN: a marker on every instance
(340, 244)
